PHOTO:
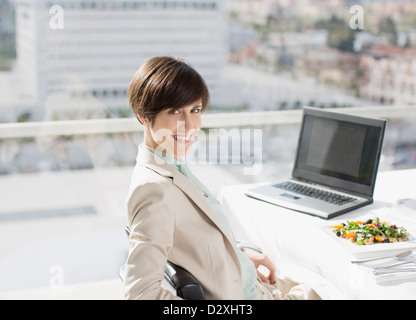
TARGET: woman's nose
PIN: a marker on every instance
(186, 124)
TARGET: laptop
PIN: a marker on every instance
(335, 167)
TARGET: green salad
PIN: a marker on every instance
(370, 232)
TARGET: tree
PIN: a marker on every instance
(340, 35)
(387, 27)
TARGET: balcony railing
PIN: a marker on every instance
(219, 120)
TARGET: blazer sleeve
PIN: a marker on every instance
(151, 221)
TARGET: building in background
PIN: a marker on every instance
(100, 45)
(391, 75)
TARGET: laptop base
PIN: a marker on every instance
(303, 203)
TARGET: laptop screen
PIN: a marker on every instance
(339, 150)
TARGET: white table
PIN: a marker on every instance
(300, 248)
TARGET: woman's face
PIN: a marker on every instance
(174, 130)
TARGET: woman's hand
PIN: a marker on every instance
(262, 260)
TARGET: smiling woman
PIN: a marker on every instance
(172, 216)
(174, 92)
(174, 130)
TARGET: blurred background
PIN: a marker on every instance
(68, 139)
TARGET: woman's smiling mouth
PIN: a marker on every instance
(183, 139)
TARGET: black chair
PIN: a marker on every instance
(181, 281)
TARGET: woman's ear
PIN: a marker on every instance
(143, 120)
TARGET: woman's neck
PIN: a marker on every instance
(149, 142)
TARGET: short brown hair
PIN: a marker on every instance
(164, 83)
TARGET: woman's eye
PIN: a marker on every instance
(174, 111)
(196, 110)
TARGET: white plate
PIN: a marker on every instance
(377, 249)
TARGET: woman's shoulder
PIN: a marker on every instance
(148, 188)
(146, 179)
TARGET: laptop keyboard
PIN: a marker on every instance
(324, 195)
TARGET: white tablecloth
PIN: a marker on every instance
(301, 248)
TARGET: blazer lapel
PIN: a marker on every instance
(156, 164)
(153, 162)
(194, 194)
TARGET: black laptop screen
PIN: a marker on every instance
(344, 150)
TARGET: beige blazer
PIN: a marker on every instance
(170, 220)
